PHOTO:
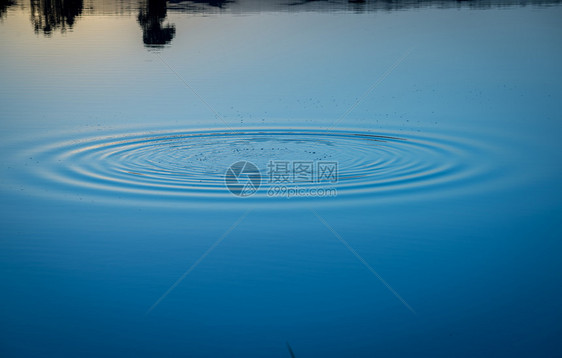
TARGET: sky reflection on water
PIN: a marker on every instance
(60, 15)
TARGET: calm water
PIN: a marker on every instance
(405, 199)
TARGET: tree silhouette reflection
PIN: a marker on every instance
(151, 18)
(50, 15)
(4, 5)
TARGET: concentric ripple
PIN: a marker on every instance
(188, 167)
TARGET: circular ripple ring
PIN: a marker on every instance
(188, 167)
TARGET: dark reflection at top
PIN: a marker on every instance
(50, 15)
(151, 18)
(390, 5)
(4, 5)
(200, 6)
(152, 15)
(215, 3)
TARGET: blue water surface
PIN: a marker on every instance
(440, 236)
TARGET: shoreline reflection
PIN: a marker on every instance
(50, 16)
(151, 19)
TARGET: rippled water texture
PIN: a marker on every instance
(188, 167)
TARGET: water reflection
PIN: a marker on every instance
(4, 4)
(215, 3)
(151, 18)
(393, 5)
(50, 15)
